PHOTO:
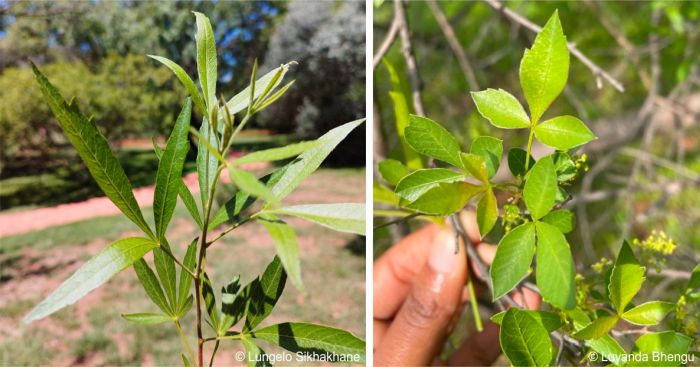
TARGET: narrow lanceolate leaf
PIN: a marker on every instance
(429, 138)
(275, 154)
(185, 80)
(336, 344)
(233, 303)
(598, 328)
(210, 301)
(147, 318)
(240, 101)
(183, 191)
(555, 267)
(247, 182)
(671, 346)
(311, 159)
(206, 58)
(264, 294)
(501, 109)
(544, 68)
(392, 171)
(445, 198)
(94, 151)
(254, 354)
(343, 217)
(524, 340)
(96, 271)
(185, 278)
(541, 188)
(486, 212)
(207, 162)
(150, 284)
(563, 133)
(563, 219)
(549, 320)
(626, 278)
(513, 258)
(491, 150)
(414, 185)
(402, 110)
(694, 281)
(165, 267)
(286, 246)
(649, 313)
(169, 176)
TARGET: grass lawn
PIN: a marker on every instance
(91, 332)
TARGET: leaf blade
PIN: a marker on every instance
(524, 340)
(626, 278)
(206, 59)
(501, 108)
(540, 188)
(513, 257)
(563, 133)
(342, 217)
(648, 313)
(286, 245)
(429, 138)
(184, 79)
(555, 271)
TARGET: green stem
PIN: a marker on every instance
(475, 306)
(179, 263)
(529, 148)
(216, 348)
(184, 340)
(234, 226)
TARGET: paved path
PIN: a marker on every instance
(19, 222)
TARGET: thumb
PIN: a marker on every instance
(421, 325)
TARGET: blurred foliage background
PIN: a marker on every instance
(96, 52)
(644, 170)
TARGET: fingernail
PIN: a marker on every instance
(442, 255)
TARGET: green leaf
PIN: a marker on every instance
(563, 133)
(417, 183)
(524, 340)
(183, 191)
(649, 313)
(165, 266)
(608, 348)
(286, 246)
(206, 59)
(247, 182)
(311, 159)
(308, 339)
(544, 68)
(392, 171)
(207, 163)
(210, 301)
(343, 217)
(96, 271)
(185, 361)
(275, 154)
(626, 279)
(240, 101)
(491, 150)
(264, 294)
(486, 212)
(185, 80)
(516, 162)
(694, 281)
(549, 320)
(169, 176)
(540, 188)
(598, 328)
(501, 109)
(151, 285)
(429, 138)
(672, 346)
(234, 303)
(382, 194)
(147, 318)
(400, 97)
(563, 219)
(475, 166)
(445, 198)
(555, 267)
(513, 258)
(185, 278)
(254, 354)
(565, 166)
(94, 151)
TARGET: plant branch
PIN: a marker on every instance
(387, 42)
(457, 49)
(234, 226)
(597, 71)
(407, 51)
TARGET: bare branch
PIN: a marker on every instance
(387, 42)
(407, 51)
(598, 72)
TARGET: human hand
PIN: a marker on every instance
(419, 290)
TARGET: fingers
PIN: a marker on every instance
(480, 349)
(430, 307)
(395, 271)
